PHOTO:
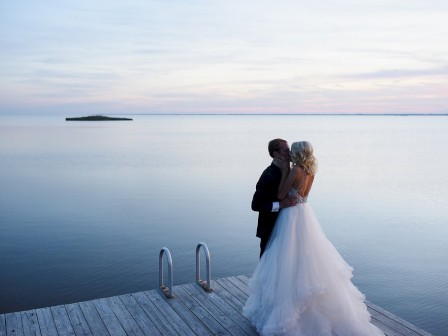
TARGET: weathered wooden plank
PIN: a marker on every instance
(77, 319)
(239, 282)
(227, 309)
(176, 321)
(245, 278)
(396, 324)
(62, 321)
(13, 324)
(96, 324)
(2, 325)
(386, 329)
(240, 285)
(233, 290)
(30, 323)
(230, 299)
(139, 315)
(386, 324)
(110, 320)
(124, 317)
(156, 316)
(391, 317)
(191, 312)
(186, 314)
(218, 314)
(46, 322)
(203, 314)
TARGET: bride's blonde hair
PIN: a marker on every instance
(302, 155)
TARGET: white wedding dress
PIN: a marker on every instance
(302, 285)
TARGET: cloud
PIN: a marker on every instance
(174, 55)
(402, 73)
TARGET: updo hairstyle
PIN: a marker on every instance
(302, 155)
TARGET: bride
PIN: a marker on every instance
(302, 285)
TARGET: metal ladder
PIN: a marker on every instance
(168, 291)
(206, 285)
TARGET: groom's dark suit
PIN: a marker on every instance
(264, 196)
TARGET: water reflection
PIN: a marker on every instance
(89, 205)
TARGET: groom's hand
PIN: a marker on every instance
(288, 202)
(282, 164)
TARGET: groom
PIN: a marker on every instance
(265, 199)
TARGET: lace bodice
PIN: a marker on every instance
(295, 193)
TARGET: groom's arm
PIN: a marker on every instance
(262, 200)
(265, 197)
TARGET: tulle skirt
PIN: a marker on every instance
(302, 285)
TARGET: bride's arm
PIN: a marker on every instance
(286, 183)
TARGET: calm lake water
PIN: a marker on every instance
(85, 207)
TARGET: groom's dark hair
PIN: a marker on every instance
(274, 145)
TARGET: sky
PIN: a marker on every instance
(229, 56)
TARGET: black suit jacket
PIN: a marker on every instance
(265, 194)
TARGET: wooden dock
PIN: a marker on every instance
(191, 311)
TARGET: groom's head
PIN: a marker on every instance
(278, 148)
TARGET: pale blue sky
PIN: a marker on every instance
(266, 56)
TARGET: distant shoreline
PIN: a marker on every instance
(297, 114)
(123, 116)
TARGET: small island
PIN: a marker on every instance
(95, 118)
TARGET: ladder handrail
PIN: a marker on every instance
(204, 284)
(167, 290)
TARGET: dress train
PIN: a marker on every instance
(302, 286)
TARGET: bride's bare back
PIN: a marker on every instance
(297, 179)
(302, 182)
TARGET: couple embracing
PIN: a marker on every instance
(301, 285)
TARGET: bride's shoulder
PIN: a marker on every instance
(297, 169)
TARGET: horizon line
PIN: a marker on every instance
(291, 114)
